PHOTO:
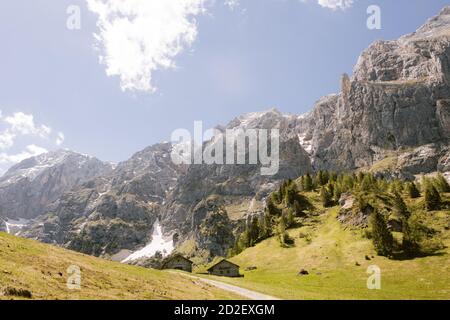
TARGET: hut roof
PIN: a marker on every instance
(168, 259)
(220, 261)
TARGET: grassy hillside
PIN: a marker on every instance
(42, 270)
(336, 259)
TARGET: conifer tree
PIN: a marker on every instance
(441, 183)
(348, 183)
(337, 192)
(432, 198)
(302, 183)
(411, 238)
(307, 183)
(413, 191)
(281, 231)
(326, 197)
(366, 183)
(383, 240)
(289, 218)
(253, 231)
(400, 207)
(272, 208)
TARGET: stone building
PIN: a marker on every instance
(224, 268)
(178, 262)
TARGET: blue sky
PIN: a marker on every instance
(229, 61)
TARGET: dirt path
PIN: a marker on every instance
(249, 294)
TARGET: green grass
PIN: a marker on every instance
(42, 269)
(330, 257)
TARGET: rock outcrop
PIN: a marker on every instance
(396, 99)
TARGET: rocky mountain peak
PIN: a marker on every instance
(414, 58)
(434, 27)
(30, 186)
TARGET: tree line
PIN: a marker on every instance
(291, 201)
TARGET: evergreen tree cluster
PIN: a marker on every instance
(291, 201)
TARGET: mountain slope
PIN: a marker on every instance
(113, 212)
(335, 258)
(28, 188)
(42, 270)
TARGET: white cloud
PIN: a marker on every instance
(336, 4)
(6, 139)
(232, 4)
(138, 37)
(30, 151)
(22, 125)
(59, 139)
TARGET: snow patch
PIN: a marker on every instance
(158, 243)
(14, 226)
(306, 144)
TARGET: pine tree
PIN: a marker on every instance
(441, 183)
(347, 182)
(291, 193)
(319, 178)
(281, 231)
(360, 177)
(326, 197)
(290, 217)
(265, 226)
(275, 198)
(307, 183)
(322, 178)
(411, 238)
(400, 207)
(366, 183)
(253, 231)
(413, 191)
(382, 237)
(302, 183)
(337, 192)
(432, 198)
(396, 186)
(244, 241)
(333, 176)
(330, 187)
(272, 208)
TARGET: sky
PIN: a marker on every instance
(111, 77)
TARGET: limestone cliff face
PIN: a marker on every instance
(233, 184)
(28, 188)
(397, 98)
